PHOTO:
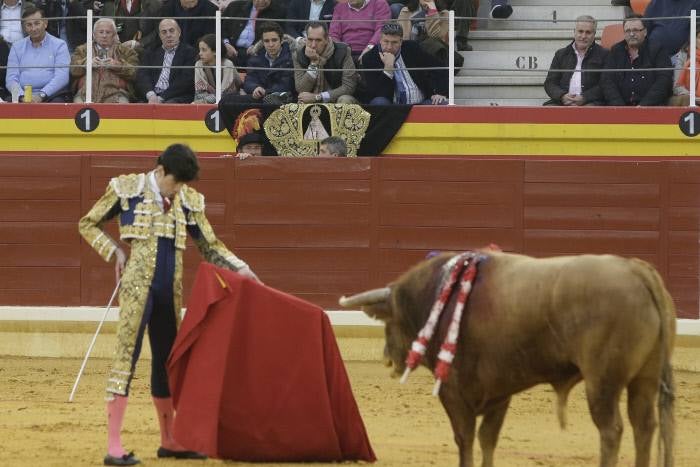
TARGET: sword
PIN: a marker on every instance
(92, 344)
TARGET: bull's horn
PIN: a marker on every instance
(365, 298)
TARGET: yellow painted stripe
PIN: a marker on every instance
(498, 139)
(525, 139)
(110, 135)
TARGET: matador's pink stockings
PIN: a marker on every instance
(115, 418)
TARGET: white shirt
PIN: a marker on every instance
(247, 36)
(315, 10)
(11, 31)
(575, 83)
(154, 188)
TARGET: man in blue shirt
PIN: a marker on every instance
(40, 60)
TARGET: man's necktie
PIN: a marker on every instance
(166, 204)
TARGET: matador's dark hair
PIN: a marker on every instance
(179, 161)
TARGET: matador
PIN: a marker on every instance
(156, 211)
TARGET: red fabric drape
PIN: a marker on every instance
(256, 375)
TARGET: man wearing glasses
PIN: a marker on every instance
(637, 82)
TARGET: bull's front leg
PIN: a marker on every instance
(490, 428)
(463, 420)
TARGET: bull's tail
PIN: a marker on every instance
(667, 333)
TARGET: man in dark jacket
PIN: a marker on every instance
(168, 85)
(267, 73)
(240, 34)
(73, 31)
(302, 10)
(632, 87)
(190, 15)
(397, 83)
(576, 87)
(323, 69)
(671, 34)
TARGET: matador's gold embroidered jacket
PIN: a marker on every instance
(141, 222)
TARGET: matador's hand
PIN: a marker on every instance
(119, 263)
(247, 272)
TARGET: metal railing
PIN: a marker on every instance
(90, 18)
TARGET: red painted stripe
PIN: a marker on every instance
(116, 111)
(419, 114)
(585, 115)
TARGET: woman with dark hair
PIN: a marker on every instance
(205, 73)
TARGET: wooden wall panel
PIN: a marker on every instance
(322, 228)
(592, 172)
(444, 238)
(574, 193)
(591, 217)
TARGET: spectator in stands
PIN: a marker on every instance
(397, 85)
(240, 34)
(4, 52)
(333, 146)
(362, 32)
(190, 15)
(72, 31)
(422, 21)
(148, 23)
(250, 144)
(305, 11)
(414, 13)
(670, 34)
(314, 78)
(633, 87)
(113, 66)
(40, 60)
(10, 20)
(270, 74)
(127, 15)
(204, 73)
(577, 87)
(681, 75)
(165, 84)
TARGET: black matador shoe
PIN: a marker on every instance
(164, 453)
(126, 459)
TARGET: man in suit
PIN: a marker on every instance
(190, 15)
(307, 10)
(168, 85)
(395, 83)
(240, 34)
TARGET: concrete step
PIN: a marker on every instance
(521, 39)
(499, 81)
(556, 17)
(509, 62)
(500, 87)
(500, 102)
(501, 92)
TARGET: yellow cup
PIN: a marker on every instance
(27, 93)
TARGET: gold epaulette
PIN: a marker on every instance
(128, 186)
(192, 199)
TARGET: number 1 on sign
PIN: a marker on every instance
(690, 119)
(215, 116)
(86, 116)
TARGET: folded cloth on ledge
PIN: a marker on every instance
(256, 375)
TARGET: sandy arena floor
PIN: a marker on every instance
(406, 426)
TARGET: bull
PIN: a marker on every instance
(601, 319)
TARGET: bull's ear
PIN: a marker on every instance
(381, 311)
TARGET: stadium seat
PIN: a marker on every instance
(639, 6)
(612, 34)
